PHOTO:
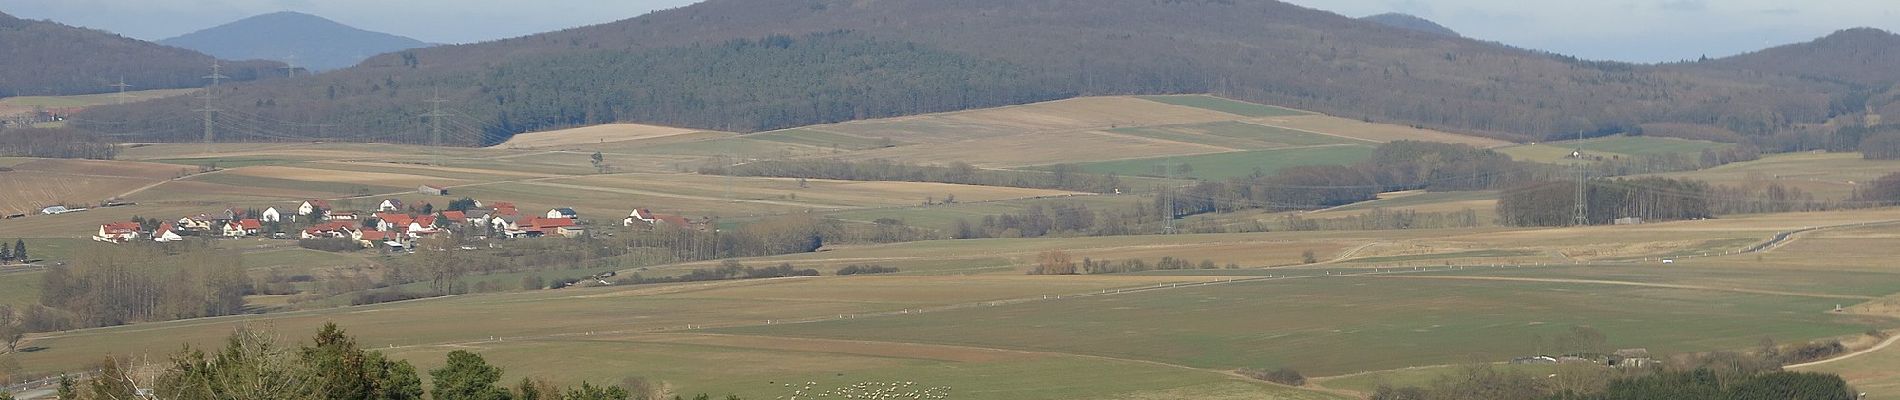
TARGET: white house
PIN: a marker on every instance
(640, 216)
(390, 205)
(117, 232)
(166, 233)
(563, 212)
(312, 207)
(270, 215)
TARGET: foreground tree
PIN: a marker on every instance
(467, 376)
(349, 372)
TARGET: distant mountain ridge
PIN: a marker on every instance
(1412, 23)
(44, 58)
(308, 41)
(1859, 56)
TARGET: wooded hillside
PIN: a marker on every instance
(1255, 50)
(45, 58)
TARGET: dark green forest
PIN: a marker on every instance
(722, 64)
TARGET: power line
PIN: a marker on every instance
(120, 98)
(211, 94)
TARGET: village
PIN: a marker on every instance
(391, 225)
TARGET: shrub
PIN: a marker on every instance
(1284, 376)
(865, 269)
(329, 244)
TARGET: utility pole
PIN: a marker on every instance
(210, 94)
(290, 66)
(1582, 217)
(1169, 214)
(435, 116)
(120, 98)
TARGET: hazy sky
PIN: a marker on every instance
(1627, 30)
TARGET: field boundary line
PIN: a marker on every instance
(1642, 284)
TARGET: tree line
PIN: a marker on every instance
(253, 364)
(1400, 165)
(1650, 198)
(55, 143)
(115, 285)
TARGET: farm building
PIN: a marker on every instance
(432, 190)
(55, 210)
(342, 216)
(1629, 221)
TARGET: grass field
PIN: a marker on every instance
(1221, 166)
(25, 104)
(1643, 145)
(1611, 146)
(1337, 325)
(1829, 176)
(1236, 135)
(1226, 106)
(590, 135)
(813, 137)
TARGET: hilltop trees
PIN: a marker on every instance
(1554, 203)
(55, 143)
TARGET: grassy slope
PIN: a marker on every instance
(1226, 106)
(1221, 166)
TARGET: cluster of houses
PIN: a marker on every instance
(392, 224)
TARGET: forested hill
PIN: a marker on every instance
(723, 64)
(1860, 56)
(306, 40)
(39, 58)
(1411, 22)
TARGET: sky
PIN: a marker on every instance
(1622, 30)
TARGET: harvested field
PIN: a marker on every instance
(589, 135)
(367, 178)
(28, 192)
(814, 137)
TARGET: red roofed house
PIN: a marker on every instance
(639, 216)
(392, 221)
(454, 217)
(243, 227)
(166, 233)
(117, 232)
(332, 229)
